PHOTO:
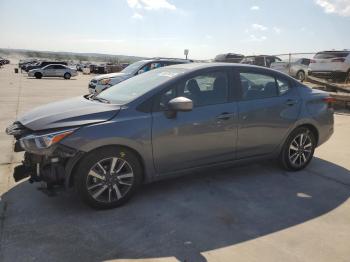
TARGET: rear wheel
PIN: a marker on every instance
(347, 77)
(301, 75)
(298, 149)
(108, 177)
(38, 75)
(67, 76)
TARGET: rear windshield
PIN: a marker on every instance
(328, 55)
(134, 87)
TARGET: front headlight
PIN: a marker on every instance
(44, 141)
(104, 81)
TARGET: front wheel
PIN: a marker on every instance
(301, 75)
(67, 76)
(38, 75)
(108, 177)
(298, 149)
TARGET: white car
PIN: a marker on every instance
(53, 71)
(297, 69)
(331, 65)
(102, 82)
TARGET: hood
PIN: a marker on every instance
(68, 113)
(112, 75)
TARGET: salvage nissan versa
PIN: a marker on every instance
(169, 121)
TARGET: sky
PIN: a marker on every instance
(166, 27)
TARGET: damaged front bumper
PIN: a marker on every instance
(52, 165)
(53, 169)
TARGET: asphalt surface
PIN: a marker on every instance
(256, 212)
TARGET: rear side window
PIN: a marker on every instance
(305, 61)
(258, 86)
(329, 55)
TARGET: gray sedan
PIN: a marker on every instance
(171, 121)
(54, 70)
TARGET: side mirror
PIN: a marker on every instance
(180, 104)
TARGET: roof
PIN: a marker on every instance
(195, 66)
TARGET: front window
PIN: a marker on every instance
(134, 87)
(204, 89)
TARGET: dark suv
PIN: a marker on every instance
(42, 64)
(261, 60)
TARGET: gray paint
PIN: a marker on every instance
(71, 112)
(194, 139)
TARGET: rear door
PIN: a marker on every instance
(268, 107)
(205, 135)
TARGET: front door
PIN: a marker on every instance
(205, 135)
(268, 108)
(49, 71)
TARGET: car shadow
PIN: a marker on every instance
(52, 78)
(180, 217)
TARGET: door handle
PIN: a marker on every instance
(225, 116)
(291, 102)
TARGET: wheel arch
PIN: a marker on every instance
(72, 167)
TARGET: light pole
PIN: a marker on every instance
(186, 51)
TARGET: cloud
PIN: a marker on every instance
(254, 38)
(259, 27)
(208, 37)
(137, 16)
(255, 8)
(277, 30)
(151, 4)
(97, 40)
(339, 7)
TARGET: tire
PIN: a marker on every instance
(347, 77)
(38, 75)
(101, 189)
(67, 76)
(301, 75)
(295, 155)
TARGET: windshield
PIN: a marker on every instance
(133, 68)
(132, 88)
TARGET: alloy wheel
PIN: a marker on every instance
(109, 179)
(300, 149)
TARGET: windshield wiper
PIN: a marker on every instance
(100, 99)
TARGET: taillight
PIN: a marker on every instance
(329, 101)
(338, 60)
(312, 61)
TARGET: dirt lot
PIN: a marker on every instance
(249, 213)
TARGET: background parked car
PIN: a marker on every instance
(53, 71)
(102, 82)
(260, 60)
(297, 69)
(4, 61)
(229, 58)
(331, 65)
(42, 64)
